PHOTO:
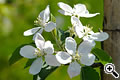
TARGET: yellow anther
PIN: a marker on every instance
(38, 52)
(76, 57)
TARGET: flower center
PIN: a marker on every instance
(39, 22)
(38, 52)
(76, 57)
(87, 30)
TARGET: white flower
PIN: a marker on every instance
(99, 36)
(78, 10)
(74, 57)
(43, 20)
(86, 33)
(78, 27)
(43, 49)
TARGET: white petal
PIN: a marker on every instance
(87, 59)
(85, 47)
(31, 31)
(87, 37)
(46, 14)
(74, 69)
(79, 31)
(65, 13)
(50, 26)
(91, 32)
(40, 32)
(39, 41)
(36, 66)
(75, 21)
(79, 8)
(51, 60)
(28, 51)
(88, 15)
(41, 15)
(70, 45)
(63, 57)
(99, 36)
(48, 47)
(65, 7)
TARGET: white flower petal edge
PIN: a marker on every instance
(70, 45)
(74, 69)
(41, 15)
(79, 31)
(40, 32)
(88, 15)
(36, 66)
(46, 16)
(28, 52)
(63, 57)
(48, 47)
(85, 47)
(99, 36)
(39, 41)
(79, 8)
(65, 13)
(87, 59)
(76, 22)
(51, 60)
(65, 7)
(78, 27)
(31, 31)
(50, 26)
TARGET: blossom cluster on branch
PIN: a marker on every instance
(73, 54)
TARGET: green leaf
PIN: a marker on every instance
(55, 32)
(53, 19)
(102, 55)
(29, 62)
(36, 77)
(16, 55)
(63, 34)
(45, 71)
(88, 73)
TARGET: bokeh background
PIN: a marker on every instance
(16, 16)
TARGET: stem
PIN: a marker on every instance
(72, 31)
(57, 42)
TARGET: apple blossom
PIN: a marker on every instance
(44, 23)
(79, 10)
(85, 32)
(76, 57)
(44, 49)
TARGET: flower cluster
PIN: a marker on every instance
(75, 57)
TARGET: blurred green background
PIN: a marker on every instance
(16, 16)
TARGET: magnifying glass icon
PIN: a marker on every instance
(110, 69)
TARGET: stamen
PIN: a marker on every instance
(38, 52)
(76, 57)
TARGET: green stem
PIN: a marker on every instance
(57, 42)
(72, 31)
